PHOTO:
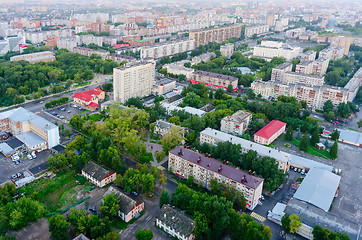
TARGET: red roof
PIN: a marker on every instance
(83, 96)
(96, 91)
(93, 104)
(270, 129)
(120, 45)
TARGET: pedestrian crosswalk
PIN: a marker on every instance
(257, 217)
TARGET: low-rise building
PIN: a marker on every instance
(162, 127)
(227, 50)
(212, 136)
(185, 162)
(237, 123)
(163, 86)
(128, 207)
(98, 175)
(175, 223)
(46, 56)
(215, 79)
(88, 52)
(90, 98)
(270, 49)
(270, 132)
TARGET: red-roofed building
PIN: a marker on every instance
(89, 98)
(115, 46)
(270, 132)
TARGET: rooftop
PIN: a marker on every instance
(216, 75)
(318, 188)
(30, 139)
(33, 55)
(248, 145)
(237, 117)
(270, 129)
(6, 149)
(218, 167)
(350, 136)
(283, 65)
(126, 204)
(96, 171)
(14, 143)
(177, 220)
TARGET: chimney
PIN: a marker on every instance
(208, 165)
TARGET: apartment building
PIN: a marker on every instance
(161, 50)
(212, 136)
(176, 69)
(305, 67)
(214, 79)
(128, 207)
(133, 80)
(237, 123)
(90, 38)
(68, 43)
(98, 175)
(341, 41)
(278, 71)
(162, 127)
(315, 96)
(88, 52)
(227, 50)
(175, 223)
(270, 132)
(294, 33)
(270, 49)
(320, 66)
(46, 56)
(250, 30)
(119, 58)
(185, 162)
(19, 120)
(296, 77)
(203, 57)
(354, 84)
(219, 35)
(332, 53)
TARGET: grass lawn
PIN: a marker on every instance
(56, 193)
(353, 129)
(120, 224)
(313, 150)
(83, 84)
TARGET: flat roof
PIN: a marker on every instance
(216, 75)
(30, 139)
(6, 149)
(318, 188)
(214, 166)
(14, 143)
(350, 136)
(248, 145)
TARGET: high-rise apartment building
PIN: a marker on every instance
(237, 123)
(133, 80)
(219, 35)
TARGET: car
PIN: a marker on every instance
(18, 174)
(16, 163)
(61, 117)
(262, 197)
(33, 155)
(69, 111)
(80, 109)
(302, 172)
(299, 170)
(93, 209)
(59, 108)
(63, 109)
(52, 112)
(134, 193)
(295, 169)
(29, 157)
(41, 101)
(14, 176)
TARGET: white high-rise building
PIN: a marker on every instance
(133, 80)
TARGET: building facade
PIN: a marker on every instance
(227, 50)
(161, 50)
(308, 79)
(219, 35)
(185, 162)
(88, 52)
(270, 49)
(237, 123)
(46, 56)
(215, 79)
(250, 30)
(133, 80)
(178, 70)
(270, 132)
(98, 175)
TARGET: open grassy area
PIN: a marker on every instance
(58, 192)
(313, 150)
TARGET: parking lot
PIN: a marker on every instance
(66, 111)
(9, 168)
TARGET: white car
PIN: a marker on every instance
(15, 158)
(29, 157)
(33, 155)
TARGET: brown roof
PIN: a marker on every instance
(216, 75)
(215, 165)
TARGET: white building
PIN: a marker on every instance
(163, 86)
(133, 80)
(227, 50)
(237, 123)
(68, 43)
(176, 69)
(160, 50)
(270, 49)
(255, 29)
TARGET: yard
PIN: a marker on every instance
(313, 150)
(58, 192)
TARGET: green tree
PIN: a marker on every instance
(289, 134)
(359, 123)
(230, 88)
(334, 150)
(315, 137)
(134, 101)
(192, 100)
(190, 180)
(110, 206)
(110, 236)
(250, 93)
(164, 198)
(295, 223)
(58, 227)
(286, 223)
(335, 135)
(218, 93)
(304, 142)
(152, 128)
(144, 234)
(328, 106)
(172, 138)
(320, 233)
(328, 116)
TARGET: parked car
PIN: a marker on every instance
(14, 176)
(302, 172)
(69, 111)
(93, 209)
(18, 174)
(41, 101)
(33, 155)
(29, 157)
(16, 163)
(61, 117)
(52, 112)
(134, 193)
